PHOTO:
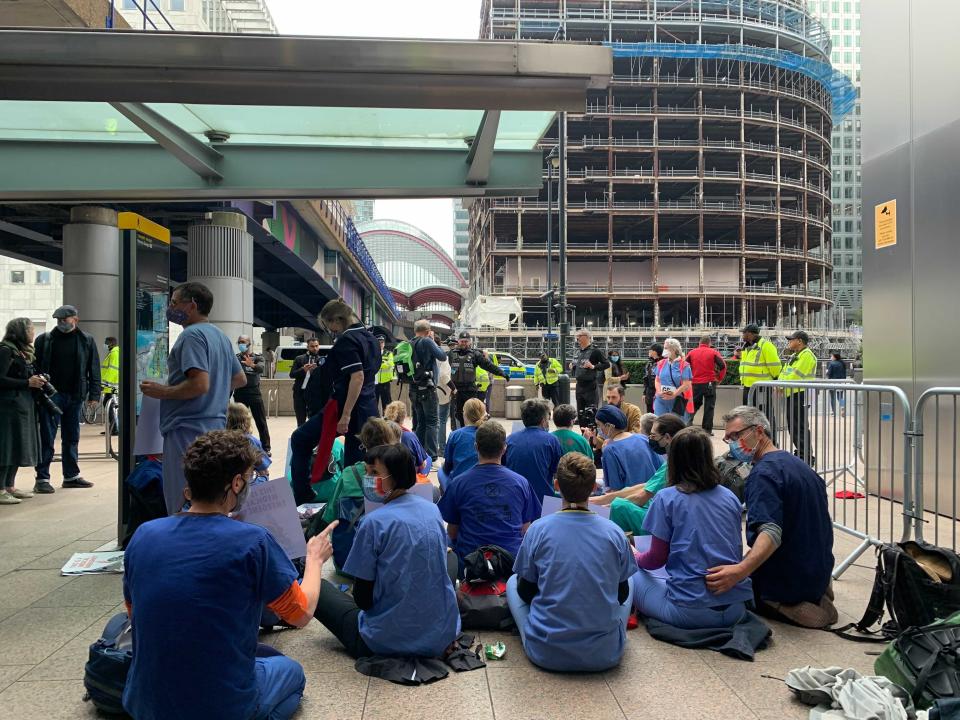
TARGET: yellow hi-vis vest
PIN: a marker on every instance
(110, 370)
(801, 367)
(759, 362)
(482, 379)
(554, 368)
(386, 373)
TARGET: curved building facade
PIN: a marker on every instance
(698, 183)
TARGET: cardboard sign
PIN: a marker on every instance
(271, 506)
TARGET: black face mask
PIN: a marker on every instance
(658, 448)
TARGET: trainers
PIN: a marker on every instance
(8, 499)
(43, 487)
(76, 482)
(22, 494)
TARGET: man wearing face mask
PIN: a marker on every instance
(203, 570)
(629, 506)
(202, 373)
(253, 367)
(69, 356)
(788, 528)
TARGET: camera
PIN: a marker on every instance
(44, 395)
(587, 418)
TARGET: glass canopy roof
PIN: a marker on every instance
(273, 125)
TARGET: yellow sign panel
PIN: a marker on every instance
(885, 224)
(132, 221)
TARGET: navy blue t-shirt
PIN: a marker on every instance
(784, 490)
(490, 504)
(355, 349)
(196, 585)
(535, 454)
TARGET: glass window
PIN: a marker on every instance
(835, 24)
(848, 227)
(16, 277)
(848, 278)
(176, 5)
(130, 4)
(43, 277)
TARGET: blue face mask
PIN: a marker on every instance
(178, 317)
(614, 358)
(738, 453)
(373, 489)
(243, 347)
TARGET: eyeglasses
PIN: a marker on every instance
(737, 434)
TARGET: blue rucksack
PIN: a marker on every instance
(105, 674)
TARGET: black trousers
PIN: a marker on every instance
(299, 408)
(383, 396)
(587, 396)
(254, 401)
(705, 394)
(766, 405)
(552, 393)
(464, 394)
(799, 426)
(338, 613)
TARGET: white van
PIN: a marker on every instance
(286, 354)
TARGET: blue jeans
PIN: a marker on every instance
(521, 610)
(426, 419)
(650, 598)
(443, 414)
(69, 424)
(280, 683)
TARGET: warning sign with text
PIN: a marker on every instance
(885, 224)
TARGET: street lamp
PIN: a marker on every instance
(553, 162)
(562, 213)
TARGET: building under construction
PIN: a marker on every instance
(697, 184)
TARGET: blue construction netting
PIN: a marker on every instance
(359, 250)
(841, 89)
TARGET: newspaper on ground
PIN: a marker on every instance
(94, 563)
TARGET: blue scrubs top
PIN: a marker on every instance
(628, 462)
(535, 454)
(671, 375)
(461, 451)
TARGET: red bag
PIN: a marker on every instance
(328, 433)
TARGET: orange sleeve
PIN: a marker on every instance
(129, 609)
(292, 606)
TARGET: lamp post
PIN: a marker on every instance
(552, 162)
(562, 213)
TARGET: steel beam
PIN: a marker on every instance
(135, 172)
(273, 292)
(481, 149)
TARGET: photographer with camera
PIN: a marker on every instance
(423, 390)
(19, 393)
(70, 358)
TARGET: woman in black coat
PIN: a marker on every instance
(19, 433)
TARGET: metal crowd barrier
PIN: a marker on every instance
(937, 449)
(860, 439)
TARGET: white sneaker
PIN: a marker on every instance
(8, 499)
(21, 494)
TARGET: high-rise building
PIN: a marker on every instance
(225, 16)
(842, 19)
(698, 183)
(461, 238)
(361, 210)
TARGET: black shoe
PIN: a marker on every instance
(43, 487)
(77, 482)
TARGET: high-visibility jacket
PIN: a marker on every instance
(552, 374)
(387, 372)
(483, 379)
(759, 362)
(110, 370)
(801, 367)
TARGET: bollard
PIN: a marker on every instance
(564, 387)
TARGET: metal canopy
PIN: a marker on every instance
(114, 116)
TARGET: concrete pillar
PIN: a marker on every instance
(91, 270)
(220, 255)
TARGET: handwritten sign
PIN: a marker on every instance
(271, 506)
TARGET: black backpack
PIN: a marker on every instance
(105, 674)
(482, 597)
(904, 585)
(733, 474)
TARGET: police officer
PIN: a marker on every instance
(464, 361)
(385, 375)
(800, 367)
(253, 367)
(546, 374)
(759, 361)
(588, 369)
(110, 367)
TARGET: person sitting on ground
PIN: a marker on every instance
(564, 416)
(570, 596)
(695, 524)
(629, 507)
(403, 601)
(534, 452)
(646, 424)
(240, 418)
(195, 584)
(616, 396)
(397, 412)
(489, 504)
(788, 528)
(627, 459)
(460, 453)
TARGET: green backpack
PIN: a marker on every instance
(403, 361)
(925, 661)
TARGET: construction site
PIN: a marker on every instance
(697, 185)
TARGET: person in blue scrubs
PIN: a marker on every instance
(627, 458)
(403, 603)
(788, 528)
(674, 380)
(534, 452)
(695, 524)
(489, 504)
(396, 412)
(460, 454)
(202, 372)
(570, 596)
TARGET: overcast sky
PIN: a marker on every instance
(388, 18)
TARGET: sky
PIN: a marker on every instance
(453, 19)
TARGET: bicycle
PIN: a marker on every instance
(110, 406)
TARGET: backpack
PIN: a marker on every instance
(105, 674)
(463, 369)
(925, 661)
(145, 490)
(733, 474)
(411, 368)
(403, 361)
(350, 513)
(916, 582)
(482, 596)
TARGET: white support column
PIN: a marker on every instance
(220, 255)
(91, 270)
